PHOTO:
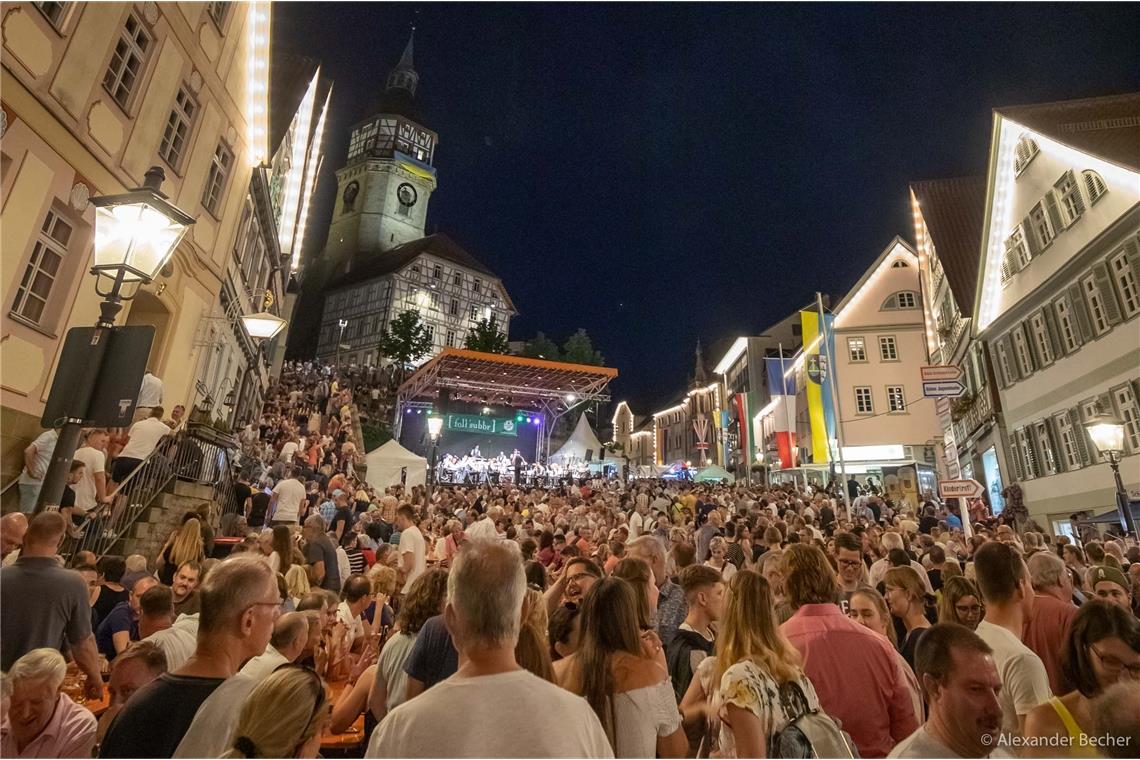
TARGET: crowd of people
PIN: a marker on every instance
(598, 618)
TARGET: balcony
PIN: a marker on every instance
(971, 412)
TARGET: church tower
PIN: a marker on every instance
(384, 187)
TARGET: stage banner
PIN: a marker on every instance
(782, 389)
(478, 423)
(818, 386)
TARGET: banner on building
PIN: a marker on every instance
(782, 390)
(478, 423)
(743, 402)
(818, 384)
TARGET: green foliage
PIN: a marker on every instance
(579, 349)
(542, 347)
(375, 436)
(486, 336)
(406, 340)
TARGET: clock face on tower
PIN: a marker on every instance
(406, 194)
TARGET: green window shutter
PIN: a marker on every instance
(1014, 456)
(1080, 312)
(1031, 351)
(1078, 198)
(1080, 436)
(1010, 359)
(1054, 334)
(1132, 255)
(1030, 237)
(1053, 212)
(1107, 292)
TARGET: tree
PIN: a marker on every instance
(541, 347)
(485, 336)
(579, 349)
(406, 340)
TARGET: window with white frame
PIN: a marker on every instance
(53, 12)
(434, 299)
(896, 399)
(437, 272)
(1070, 453)
(1096, 305)
(1090, 409)
(1021, 350)
(451, 337)
(1094, 185)
(178, 127)
(1042, 226)
(857, 349)
(1069, 198)
(863, 402)
(1028, 460)
(1041, 337)
(888, 349)
(430, 332)
(907, 300)
(1015, 243)
(453, 307)
(1125, 281)
(1130, 416)
(1023, 153)
(474, 312)
(127, 61)
(43, 269)
(477, 286)
(1065, 324)
(1045, 446)
(220, 166)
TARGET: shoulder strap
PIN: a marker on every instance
(1066, 717)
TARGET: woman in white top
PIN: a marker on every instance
(718, 550)
(621, 673)
(741, 685)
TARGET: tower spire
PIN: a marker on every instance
(404, 76)
(700, 374)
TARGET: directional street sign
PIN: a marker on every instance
(935, 372)
(943, 389)
(967, 489)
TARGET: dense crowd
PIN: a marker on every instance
(595, 618)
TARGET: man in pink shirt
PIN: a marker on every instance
(852, 668)
(43, 721)
(1047, 627)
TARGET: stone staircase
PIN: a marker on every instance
(162, 517)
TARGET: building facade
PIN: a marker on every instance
(1058, 295)
(377, 237)
(689, 430)
(94, 95)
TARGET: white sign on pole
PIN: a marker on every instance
(933, 372)
(943, 389)
(967, 488)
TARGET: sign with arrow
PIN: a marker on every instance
(943, 389)
(960, 489)
(934, 372)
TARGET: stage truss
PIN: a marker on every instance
(550, 388)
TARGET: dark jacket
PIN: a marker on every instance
(679, 658)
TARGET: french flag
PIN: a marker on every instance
(782, 391)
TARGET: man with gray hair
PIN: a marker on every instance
(1047, 626)
(1117, 716)
(671, 605)
(892, 540)
(43, 721)
(462, 716)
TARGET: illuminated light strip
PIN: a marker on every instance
(312, 169)
(663, 412)
(257, 81)
(295, 176)
(897, 252)
(731, 356)
(925, 257)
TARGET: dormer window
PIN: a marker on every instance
(1023, 153)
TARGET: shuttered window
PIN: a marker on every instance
(1028, 455)
(1097, 313)
(1048, 454)
(1018, 250)
(1070, 338)
(1004, 363)
(1070, 454)
(1021, 349)
(1024, 152)
(1094, 185)
(1069, 195)
(1041, 225)
(1041, 338)
(1129, 415)
(1123, 268)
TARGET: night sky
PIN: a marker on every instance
(657, 174)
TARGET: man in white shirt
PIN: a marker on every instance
(144, 436)
(178, 641)
(289, 450)
(37, 457)
(285, 503)
(892, 540)
(637, 519)
(484, 527)
(413, 548)
(462, 716)
(91, 490)
(150, 395)
(356, 595)
(1007, 590)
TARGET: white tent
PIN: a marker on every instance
(385, 464)
(580, 441)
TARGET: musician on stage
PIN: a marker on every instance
(518, 462)
(475, 452)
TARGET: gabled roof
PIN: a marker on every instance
(1106, 127)
(954, 212)
(897, 242)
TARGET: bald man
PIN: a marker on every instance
(13, 526)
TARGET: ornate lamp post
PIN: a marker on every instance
(435, 427)
(136, 233)
(1107, 434)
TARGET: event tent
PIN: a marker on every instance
(385, 464)
(715, 473)
(580, 441)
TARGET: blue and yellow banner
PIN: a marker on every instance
(818, 384)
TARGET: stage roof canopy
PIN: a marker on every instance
(502, 380)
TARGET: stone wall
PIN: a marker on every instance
(147, 536)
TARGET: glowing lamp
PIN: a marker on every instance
(435, 427)
(136, 232)
(571, 398)
(1107, 434)
(263, 325)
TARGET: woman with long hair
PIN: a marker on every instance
(906, 599)
(531, 650)
(1102, 648)
(753, 663)
(869, 609)
(626, 686)
(960, 602)
(284, 716)
(184, 545)
(283, 548)
(639, 574)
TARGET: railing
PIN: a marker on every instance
(196, 455)
(979, 412)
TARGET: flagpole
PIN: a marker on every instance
(833, 375)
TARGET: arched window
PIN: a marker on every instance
(1024, 152)
(904, 299)
(1094, 185)
(899, 264)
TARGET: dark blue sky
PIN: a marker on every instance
(657, 174)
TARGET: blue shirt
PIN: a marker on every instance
(953, 520)
(121, 618)
(328, 512)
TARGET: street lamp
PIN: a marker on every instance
(341, 323)
(136, 233)
(264, 325)
(435, 427)
(1107, 434)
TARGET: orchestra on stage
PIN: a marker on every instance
(473, 468)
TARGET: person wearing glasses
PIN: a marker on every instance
(284, 716)
(960, 603)
(1103, 649)
(239, 605)
(852, 569)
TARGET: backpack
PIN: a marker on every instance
(809, 733)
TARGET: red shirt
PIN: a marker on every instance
(855, 675)
(1045, 632)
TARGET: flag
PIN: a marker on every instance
(782, 390)
(818, 384)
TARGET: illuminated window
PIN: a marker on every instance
(1041, 337)
(43, 269)
(857, 349)
(178, 127)
(896, 400)
(1094, 185)
(863, 402)
(1069, 196)
(907, 300)
(127, 61)
(1095, 301)
(888, 349)
(1125, 279)
(1065, 323)
(220, 167)
(1042, 226)
(1024, 153)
